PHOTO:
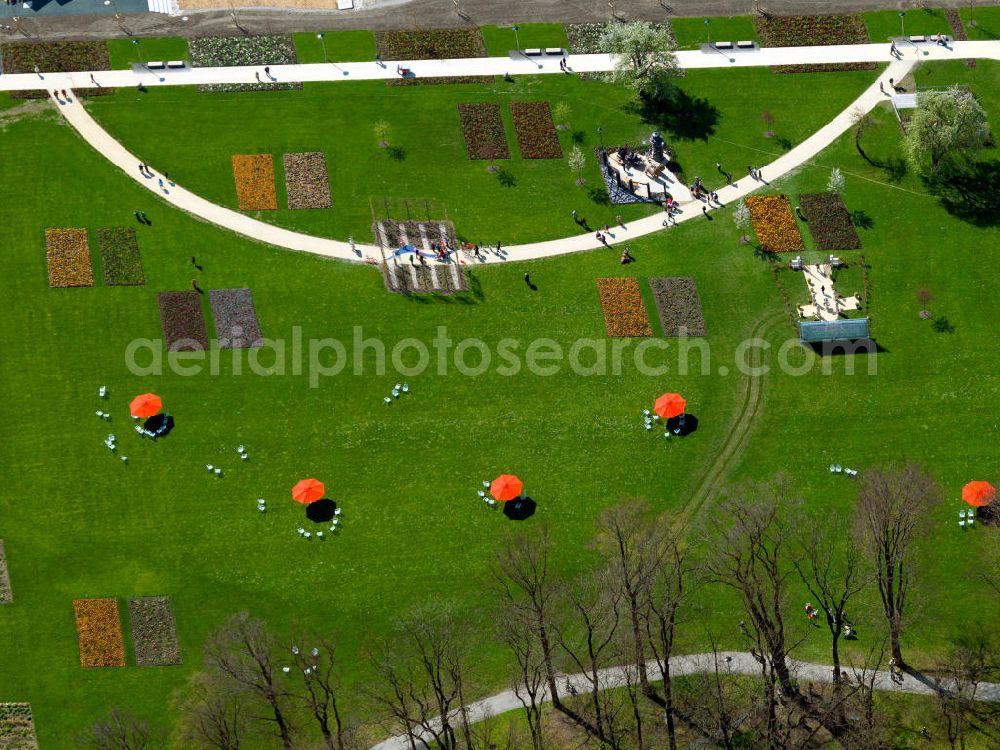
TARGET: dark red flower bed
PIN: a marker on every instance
(154, 632)
(829, 221)
(55, 57)
(812, 31)
(236, 325)
(535, 131)
(482, 126)
(182, 320)
(678, 304)
(432, 44)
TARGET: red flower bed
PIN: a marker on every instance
(535, 131)
(624, 311)
(812, 31)
(182, 320)
(829, 222)
(482, 126)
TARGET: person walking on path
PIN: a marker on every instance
(752, 173)
(257, 75)
(267, 71)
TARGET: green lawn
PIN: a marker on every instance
(987, 22)
(353, 45)
(884, 24)
(692, 32)
(78, 523)
(500, 40)
(706, 123)
(124, 52)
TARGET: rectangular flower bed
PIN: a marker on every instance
(120, 259)
(624, 311)
(54, 57)
(774, 223)
(811, 31)
(829, 222)
(99, 633)
(482, 126)
(17, 727)
(432, 44)
(678, 305)
(225, 51)
(254, 175)
(182, 320)
(6, 594)
(68, 256)
(535, 131)
(236, 325)
(307, 180)
(154, 632)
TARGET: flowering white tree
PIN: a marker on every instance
(741, 217)
(836, 182)
(945, 123)
(643, 54)
(577, 161)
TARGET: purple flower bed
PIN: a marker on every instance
(236, 325)
(182, 320)
(154, 632)
(678, 304)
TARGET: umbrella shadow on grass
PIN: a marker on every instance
(321, 511)
(675, 426)
(161, 424)
(519, 509)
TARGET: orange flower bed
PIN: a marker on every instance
(254, 175)
(68, 256)
(774, 223)
(624, 311)
(99, 632)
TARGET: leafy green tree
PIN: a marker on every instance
(944, 124)
(643, 54)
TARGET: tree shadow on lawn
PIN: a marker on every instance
(861, 219)
(396, 153)
(599, 195)
(971, 192)
(677, 113)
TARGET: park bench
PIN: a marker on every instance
(723, 45)
(174, 64)
(533, 51)
(155, 65)
(745, 44)
(916, 39)
(554, 51)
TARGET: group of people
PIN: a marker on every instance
(848, 630)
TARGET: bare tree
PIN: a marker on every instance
(243, 650)
(528, 682)
(973, 661)
(750, 543)
(868, 731)
(892, 503)
(318, 667)
(424, 679)
(587, 636)
(663, 599)
(117, 731)
(214, 714)
(832, 581)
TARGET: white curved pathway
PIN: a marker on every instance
(117, 154)
(739, 663)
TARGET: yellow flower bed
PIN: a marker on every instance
(774, 223)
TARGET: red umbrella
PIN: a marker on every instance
(506, 487)
(146, 405)
(979, 493)
(308, 491)
(670, 405)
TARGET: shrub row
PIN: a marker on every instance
(182, 320)
(829, 221)
(68, 256)
(99, 633)
(678, 305)
(236, 324)
(482, 126)
(774, 223)
(120, 259)
(624, 311)
(535, 131)
(307, 180)
(254, 175)
(154, 632)
(811, 31)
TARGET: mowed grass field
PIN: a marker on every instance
(78, 523)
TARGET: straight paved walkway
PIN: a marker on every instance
(115, 152)
(740, 663)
